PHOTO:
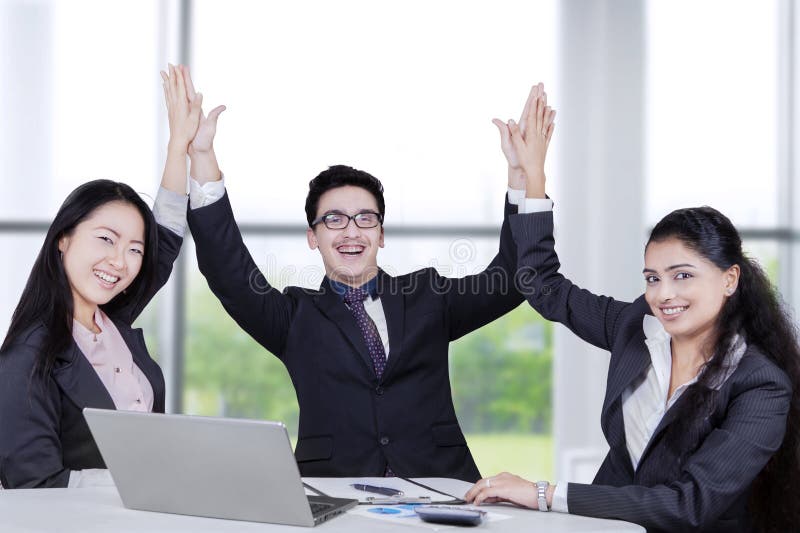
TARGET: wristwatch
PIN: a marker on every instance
(541, 495)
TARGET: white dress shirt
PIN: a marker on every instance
(646, 401)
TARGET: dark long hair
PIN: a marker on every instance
(47, 297)
(755, 310)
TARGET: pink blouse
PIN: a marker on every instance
(112, 360)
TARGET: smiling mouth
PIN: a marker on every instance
(107, 278)
(351, 249)
(672, 311)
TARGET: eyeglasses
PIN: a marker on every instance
(364, 220)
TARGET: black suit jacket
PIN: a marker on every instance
(352, 423)
(43, 434)
(704, 482)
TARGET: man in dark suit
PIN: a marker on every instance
(371, 374)
(367, 352)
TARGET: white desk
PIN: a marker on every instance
(93, 510)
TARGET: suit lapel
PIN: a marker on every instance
(666, 420)
(79, 381)
(393, 303)
(634, 360)
(134, 339)
(331, 305)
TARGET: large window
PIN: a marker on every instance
(405, 91)
(715, 118)
(80, 100)
(712, 109)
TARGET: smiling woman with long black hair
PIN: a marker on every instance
(70, 344)
(702, 405)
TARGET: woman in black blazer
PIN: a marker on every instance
(104, 257)
(45, 378)
(702, 402)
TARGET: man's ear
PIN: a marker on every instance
(380, 241)
(312, 239)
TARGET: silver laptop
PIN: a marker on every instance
(214, 467)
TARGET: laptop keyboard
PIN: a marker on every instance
(317, 508)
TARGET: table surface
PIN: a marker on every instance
(90, 510)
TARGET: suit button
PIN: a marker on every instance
(384, 441)
(379, 390)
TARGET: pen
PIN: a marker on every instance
(394, 500)
(386, 491)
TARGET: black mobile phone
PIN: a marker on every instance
(446, 514)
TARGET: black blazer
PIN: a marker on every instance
(43, 434)
(352, 423)
(704, 482)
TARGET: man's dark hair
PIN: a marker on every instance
(339, 176)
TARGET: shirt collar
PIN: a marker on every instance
(83, 332)
(371, 287)
(658, 342)
(653, 329)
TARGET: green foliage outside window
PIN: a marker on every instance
(501, 374)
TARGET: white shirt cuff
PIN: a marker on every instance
(169, 210)
(516, 196)
(91, 477)
(535, 205)
(559, 503)
(208, 193)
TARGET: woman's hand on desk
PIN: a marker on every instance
(506, 487)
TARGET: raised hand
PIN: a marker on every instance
(525, 144)
(201, 145)
(531, 140)
(516, 176)
(207, 127)
(184, 117)
(183, 112)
